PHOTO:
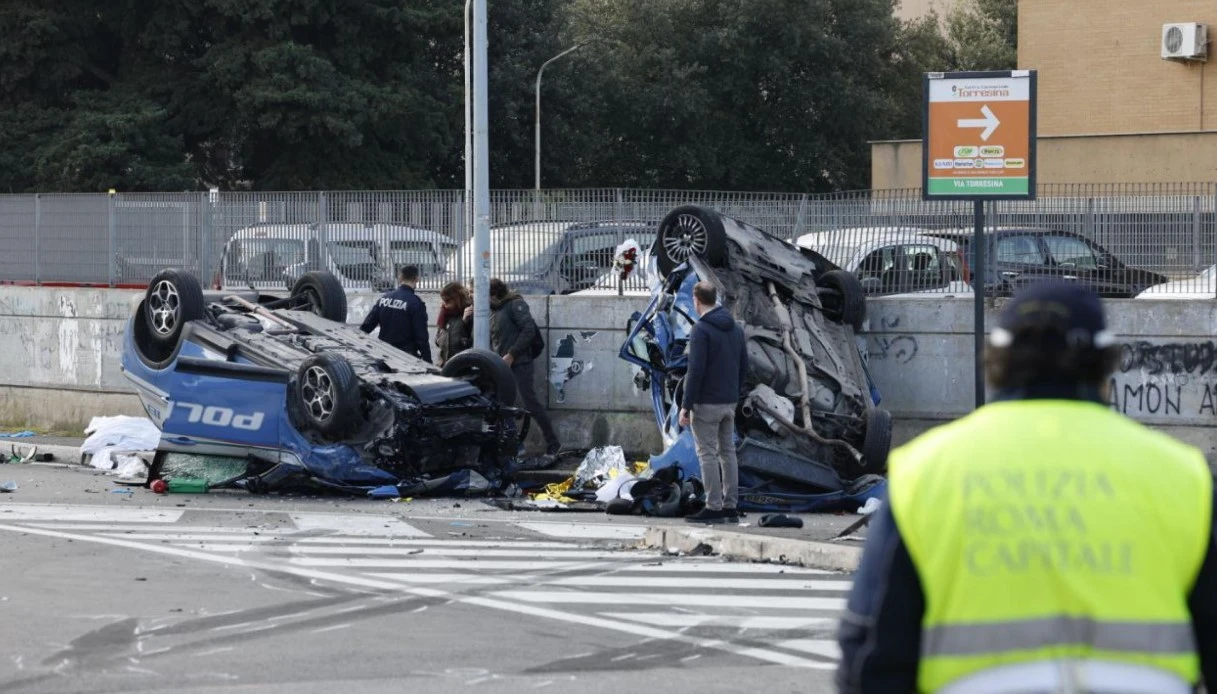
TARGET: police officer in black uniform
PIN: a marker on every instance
(402, 316)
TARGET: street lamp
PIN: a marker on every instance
(538, 133)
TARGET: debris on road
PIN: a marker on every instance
(17, 435)
(8, 487)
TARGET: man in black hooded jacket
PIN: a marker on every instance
(718, 362)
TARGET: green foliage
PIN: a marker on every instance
(983, 34)
(309, 94)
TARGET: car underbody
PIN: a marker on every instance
(808, 422)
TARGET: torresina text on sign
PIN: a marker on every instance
(978, 135)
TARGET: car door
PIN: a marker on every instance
(1075, 260)
(1018, 259)
(585, 258)
(925, 266)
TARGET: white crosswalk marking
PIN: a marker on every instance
(585, 575)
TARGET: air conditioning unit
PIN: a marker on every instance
(1185, 41)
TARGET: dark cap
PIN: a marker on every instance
(1070, 309)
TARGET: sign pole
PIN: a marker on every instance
(978, 144)
(978, 288)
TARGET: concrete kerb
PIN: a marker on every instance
(734, 545)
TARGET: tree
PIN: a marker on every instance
(733, 94)
(983, 34)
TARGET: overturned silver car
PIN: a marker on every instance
(809, 430)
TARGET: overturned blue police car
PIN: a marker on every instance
(306, 401)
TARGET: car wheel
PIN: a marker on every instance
(327, 393)
(173, 299)
(849, 306)
(324, 293)
(877, 441)
(487, 371)
(687, 231)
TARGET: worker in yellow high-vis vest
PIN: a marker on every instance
(1043, 543)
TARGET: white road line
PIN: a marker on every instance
(443, 578)
(775, 602)
(166, 527)
(691, 583)
(100, 514)
(826, 648)
(467, 564)
(675, 620)
(719, 567)
(587, 530)
(336, 540)
(765, 654)
(357, 524)
(409, 551)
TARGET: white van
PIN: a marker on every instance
(360, 255)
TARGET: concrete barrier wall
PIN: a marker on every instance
(60, 351)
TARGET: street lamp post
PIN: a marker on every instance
(538, 125)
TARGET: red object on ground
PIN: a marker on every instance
(159, 486)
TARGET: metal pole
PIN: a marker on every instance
(979, 275)
(538, 117)
(111, 241)
(37, 241)
(467, 203)
(481, 183)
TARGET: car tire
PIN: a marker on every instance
(850, 307)
(689, 230)
(876, 441)
(173, 299)
(327, 393)
(487, 371)
(325, 293)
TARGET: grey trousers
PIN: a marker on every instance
(713, 430)
(525, 385)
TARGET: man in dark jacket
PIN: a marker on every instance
(512, 331)
(711, 396)
(402, 316)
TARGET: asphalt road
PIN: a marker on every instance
(109, 592)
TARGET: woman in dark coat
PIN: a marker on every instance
(455, 332)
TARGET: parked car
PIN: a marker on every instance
(1202, 286)
(278, 255)
(890, 260)
(1017, 256)
(556, 257)
(808, 422)
(283, 383)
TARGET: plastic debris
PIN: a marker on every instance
(599, 466)
(872, 504)
(8, 487)
(121, 491)
(17, 435)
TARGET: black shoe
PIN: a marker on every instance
(707, 516)
(731, 515)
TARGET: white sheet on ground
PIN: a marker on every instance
(121, 433)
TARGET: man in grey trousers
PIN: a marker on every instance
(718, 361)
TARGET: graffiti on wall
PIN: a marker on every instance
(1175, 379)
(901, 349)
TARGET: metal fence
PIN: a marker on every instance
(557, 238)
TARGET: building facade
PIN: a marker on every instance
(1111, 108)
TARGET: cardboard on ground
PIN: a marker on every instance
(979, 136)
